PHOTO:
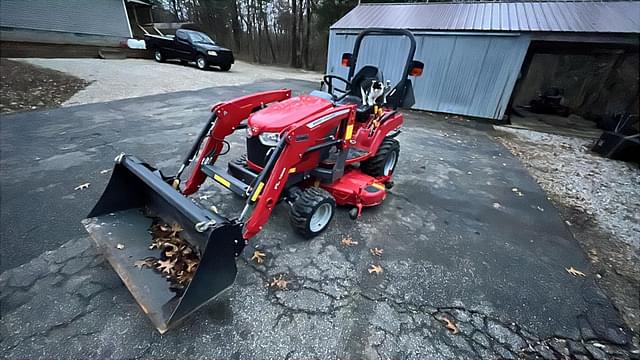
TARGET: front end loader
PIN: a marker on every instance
(330, 148)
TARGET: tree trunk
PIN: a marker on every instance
(265, 25)
(307, 36)
(236, 30)
(294, 34)
(301, 43)
(259, 26)
(176, 10)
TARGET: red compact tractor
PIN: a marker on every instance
(316, 151)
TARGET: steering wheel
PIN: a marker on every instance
(328, 79)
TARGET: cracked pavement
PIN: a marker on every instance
(460, 246)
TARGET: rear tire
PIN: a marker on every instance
(201, 62)
(158, 56)
(225, 67)
(384, 161)
(312, 211)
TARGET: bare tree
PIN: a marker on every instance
(274, 31)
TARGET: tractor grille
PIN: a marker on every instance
(256, 151)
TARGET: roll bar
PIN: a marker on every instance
(401, 86)
(383, 32)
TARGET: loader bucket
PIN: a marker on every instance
(120, 222)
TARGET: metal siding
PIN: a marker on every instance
(470, 75)
(96, 17)
(552, 16)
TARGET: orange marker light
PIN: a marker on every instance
(416, 71)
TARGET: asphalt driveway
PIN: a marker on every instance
(470, 241)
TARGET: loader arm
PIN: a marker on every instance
(303, 137)
(225, 119)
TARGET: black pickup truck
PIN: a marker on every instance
(190, 45)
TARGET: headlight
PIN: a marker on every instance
(269, 138)
(251, 131)
(212, 53)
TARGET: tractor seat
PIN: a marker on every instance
(363, 112)
(321, 94)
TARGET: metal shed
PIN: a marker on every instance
(474, 52)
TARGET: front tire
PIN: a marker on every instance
(312, 211)
(158, 56)
(225, 67)
(384, 161)
(201, 62)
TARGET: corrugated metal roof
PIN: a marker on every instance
(554, 16)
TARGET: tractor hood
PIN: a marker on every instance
(278, 116)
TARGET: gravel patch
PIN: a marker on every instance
(127, 78)
(564, 166)
(599, 200)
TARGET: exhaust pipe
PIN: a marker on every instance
(120, 225)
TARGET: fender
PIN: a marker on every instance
(362, 138)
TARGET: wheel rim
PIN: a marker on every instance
(321, 217)
(158, 55)
(201, 63)
(390, 164)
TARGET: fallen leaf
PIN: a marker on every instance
(574, 271)
(82, 186)
(348, 241)
(155, 244)
(171, 250)
(258, 256)
(375, 269)
(166, 265)
(148, 262)
(105, 171)
(376, 251)
(119, 246)
(496, 205)
(451, 326)
(191, 265)
(280, 283)
(175, 229)
(186, 250)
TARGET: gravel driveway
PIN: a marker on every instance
(122, 79)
